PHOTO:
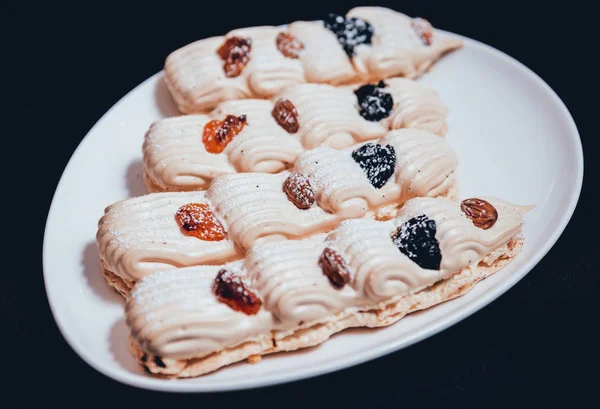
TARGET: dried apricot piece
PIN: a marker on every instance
(196, 219)
(217, 134)
(231, 290)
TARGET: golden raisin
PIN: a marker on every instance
(286, 115)
(217, 134)
(196, 219)
(481, 212)
(423, 29)
(334, 267)
(235, 51)
(289, 45)
(299, 191)
(231, 290)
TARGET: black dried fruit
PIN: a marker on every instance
(374, 103)
(416, 240)
(159, 362)
(377, 161)
(335, 22)
(349, 32)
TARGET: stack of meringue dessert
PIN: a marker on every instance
(305, 189)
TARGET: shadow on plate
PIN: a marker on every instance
(119, 346)
(164, 100)
(91, 270)
(134, 179)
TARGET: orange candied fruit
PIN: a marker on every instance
(217, 134)
(230, 289)
(196, 219)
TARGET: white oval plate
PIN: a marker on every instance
(514, 137)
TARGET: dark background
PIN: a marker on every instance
(63, 66)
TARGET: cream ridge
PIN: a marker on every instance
(197, 81)
(176, 159)
(139, 236)
(176, 315)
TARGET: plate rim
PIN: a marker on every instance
(142, 382)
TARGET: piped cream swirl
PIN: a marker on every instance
(254, 206)
(329, 116)
(268, 70)
(195, 77)
(461, 242)
(416, 107)
(175, 157)
(425, 166)
(175, 315)
(290, 279)
(262, 145)
(139, 236)
(396, 49)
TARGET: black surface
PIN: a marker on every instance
(64, 66)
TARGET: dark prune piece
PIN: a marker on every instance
(159, 362)
(375, 104)
(416, 240)
(350, 32)
(377, 161)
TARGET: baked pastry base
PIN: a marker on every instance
(312, 334)
(120, 284)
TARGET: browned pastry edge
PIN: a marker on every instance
(313, 334)
(120, 284)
